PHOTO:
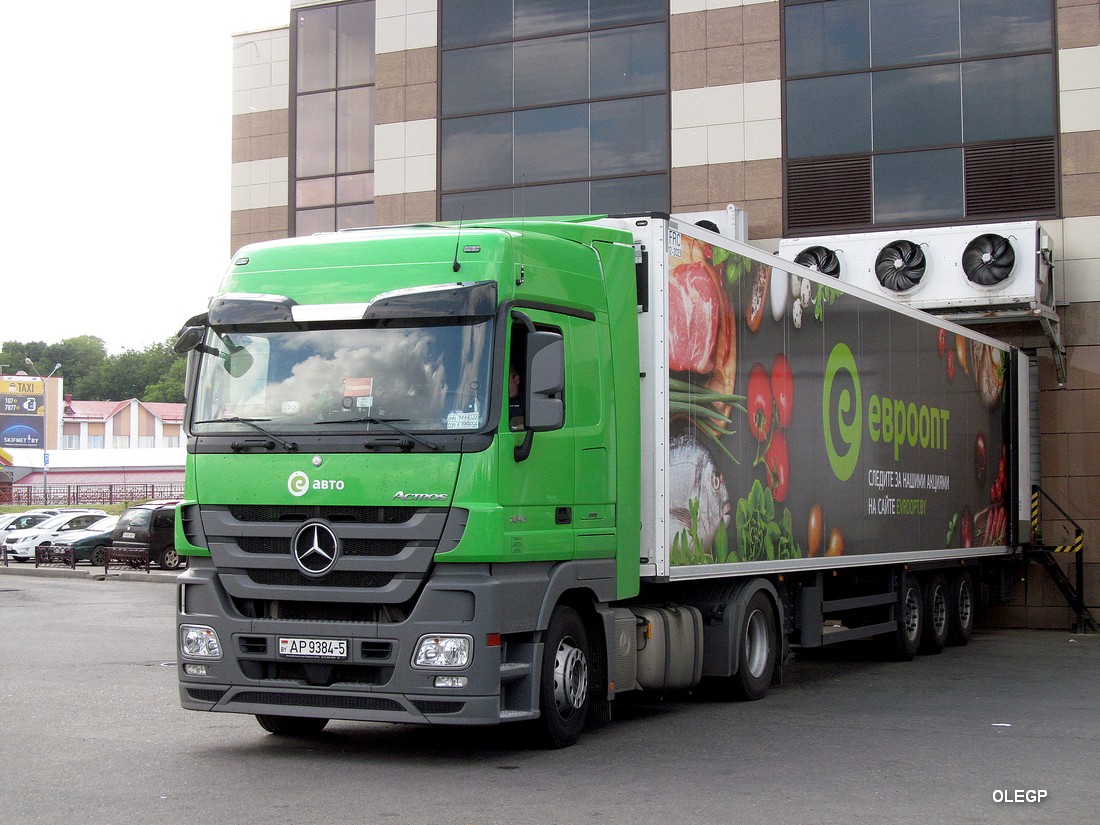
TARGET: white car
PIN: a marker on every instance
(20, 544)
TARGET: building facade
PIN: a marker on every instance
(814, 116)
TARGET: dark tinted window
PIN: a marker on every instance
(563, 94)
(916, 107)
(829, 116)
(551, 70)
(1019, 26)
(919, 186)
(465, 22)
(826, 37)
(477, 79)
(944, 91)
(1008, 98)
(913, 31)
(333, 114)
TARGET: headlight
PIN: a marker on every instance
(197, 640)
(443, 650)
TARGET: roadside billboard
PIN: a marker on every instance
(22, 412)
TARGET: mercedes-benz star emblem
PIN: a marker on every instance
(315, 548)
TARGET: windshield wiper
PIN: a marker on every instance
(386, 422)
(289, 446)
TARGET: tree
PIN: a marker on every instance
(152, 374)
(170, 387)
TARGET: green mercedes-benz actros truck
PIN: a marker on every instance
(507, 471)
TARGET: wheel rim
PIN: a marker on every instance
(570, 678)
(911, 614)
(939, 611)
(756, 643)
(966, 605)
(171, 559)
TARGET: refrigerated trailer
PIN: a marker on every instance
(507, 471)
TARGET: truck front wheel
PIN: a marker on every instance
(756, 657)
(564, 684)
(291, 725)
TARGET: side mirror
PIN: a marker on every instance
(545, 402)
(189, 338)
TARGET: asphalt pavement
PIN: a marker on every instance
(1004, 730)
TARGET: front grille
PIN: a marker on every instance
(318, 700)
(345, 578)
(278, 546)
(266, 513)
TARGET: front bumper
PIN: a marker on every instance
(377, 681)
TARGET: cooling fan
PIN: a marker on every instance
(900, 265)
(820, 259)
(988, 260)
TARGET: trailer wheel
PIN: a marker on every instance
(564, 687)
(937, 616)
(905, 640)
(756, 657)
(291, 725)
(960, 607)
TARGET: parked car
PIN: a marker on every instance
(90, 544)
(20, 544)
(150, 526)
(21, 521)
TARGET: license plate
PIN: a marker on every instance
(314, 648)
(128, 535)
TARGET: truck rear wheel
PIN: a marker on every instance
(564, 684)
(756, 656)
(937, 619)
(291, 725)
(960, 607)
(903, 643)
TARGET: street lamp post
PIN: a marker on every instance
(45, 424)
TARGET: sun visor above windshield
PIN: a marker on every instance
(462, 300)
(233, 309)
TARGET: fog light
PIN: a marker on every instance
(450, 681)
(194, 670)
(199, 641)
(443, 651)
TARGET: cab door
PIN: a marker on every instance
(537, 470)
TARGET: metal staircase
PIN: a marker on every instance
(1074, 592)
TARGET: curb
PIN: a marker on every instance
(92, 574)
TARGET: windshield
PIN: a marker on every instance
(420, 378)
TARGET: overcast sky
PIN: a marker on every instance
(117, 161)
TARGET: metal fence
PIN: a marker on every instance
(29, 495)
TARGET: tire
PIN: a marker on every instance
(564, 690)
(758, 649)
(169, 559)
(904, 642)
(960, 609)
(291, 725)
(99, 556)
(19, 559)
(937, 615)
